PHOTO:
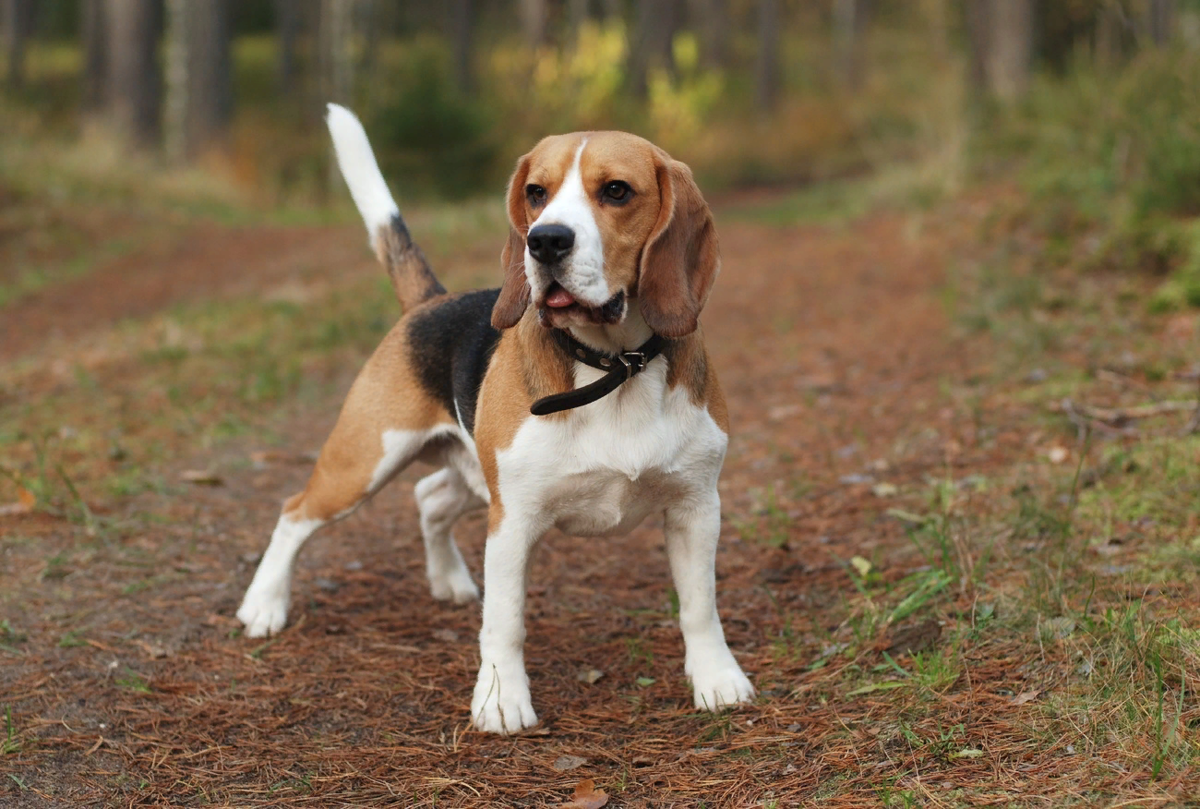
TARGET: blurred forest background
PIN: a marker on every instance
(1092, 104)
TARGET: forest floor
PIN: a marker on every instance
(958, 561)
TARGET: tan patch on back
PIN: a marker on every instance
(385, 396)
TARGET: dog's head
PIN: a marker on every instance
(598, 218)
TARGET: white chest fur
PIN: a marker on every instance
(605, 467)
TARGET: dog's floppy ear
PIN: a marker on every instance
(514, 295)
(681, 258)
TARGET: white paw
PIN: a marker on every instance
(263, 613)
(723, 686)
(456, 585)
(502, 703)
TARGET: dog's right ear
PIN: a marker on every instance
(515, 293)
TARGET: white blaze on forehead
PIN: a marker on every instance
(583, 272)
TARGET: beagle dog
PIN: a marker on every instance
(578, 395)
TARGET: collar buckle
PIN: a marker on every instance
(634, 362)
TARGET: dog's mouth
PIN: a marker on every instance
(559, 305)
(557, 297)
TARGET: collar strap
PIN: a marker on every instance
(620, 367)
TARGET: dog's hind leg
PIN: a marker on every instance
(375, 437)
(443, 497)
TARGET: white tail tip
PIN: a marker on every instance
(357, 162)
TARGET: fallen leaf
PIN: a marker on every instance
(970, 752)
(884, 490)
(645, 681)
(587, 796)
(564, 763)
(25, 503)
(201, 477)
(589, 676)
(1025, 696)
(153, 650)
(1056, 628)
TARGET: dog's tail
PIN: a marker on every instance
(411, 276)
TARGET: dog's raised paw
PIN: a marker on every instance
(263, 615)
(721, 688)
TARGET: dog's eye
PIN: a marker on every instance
(618, 192)
(535, 194)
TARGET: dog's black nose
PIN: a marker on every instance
(549, 243)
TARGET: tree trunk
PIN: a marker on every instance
(657, 21)
(134, 87)
(287, 24)
(711, 19)
(337, 65)
(1011, 54)
(462, 29)
(1161, 21)
(850, 25)
(577, 15)
(199, 85)
(767, 70)
(18, 14)
(978, 14)
(533, 22)
(94, 42)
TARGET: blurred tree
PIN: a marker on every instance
(1011, 51)
(1161, 21)
(94, 39)
(288, 15)
(711, 19)
(17, 20)
(199, 82)
(462, 27)
(767, 69)
(650, 45)
(134, 87)
(337, 61)
(578, 12)
(1001, 46)
(533, 21)
(850, 25)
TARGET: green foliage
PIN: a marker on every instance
(1115, 156)
(432, 136)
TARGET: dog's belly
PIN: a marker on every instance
(604, 503)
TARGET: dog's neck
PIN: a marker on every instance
(627, 335)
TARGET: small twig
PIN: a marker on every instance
(1085, 424)
(1117, 416)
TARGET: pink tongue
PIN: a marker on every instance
(559, 299)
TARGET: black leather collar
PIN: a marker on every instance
(620, 367)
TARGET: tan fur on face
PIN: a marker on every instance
(660, 246)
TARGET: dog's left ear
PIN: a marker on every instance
(515, 293)
(682, 256)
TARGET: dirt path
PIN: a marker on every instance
(831, 344)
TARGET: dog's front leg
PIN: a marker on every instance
(502, 703)
(693, 529)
